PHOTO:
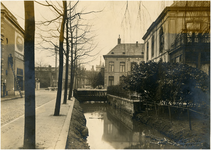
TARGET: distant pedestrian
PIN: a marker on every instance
(4, 89)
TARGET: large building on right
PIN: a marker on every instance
(181, 33)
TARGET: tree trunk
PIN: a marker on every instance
(71, 65)
(75, 60)
(67, 62)
(29, 130)
(71, 69)
(61, 39)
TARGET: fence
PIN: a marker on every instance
(168, 107)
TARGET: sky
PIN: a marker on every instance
(127, 19)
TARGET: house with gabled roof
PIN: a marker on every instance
(120, 60)
(181, 34)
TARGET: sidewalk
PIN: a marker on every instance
(51, 131)
(11, 97)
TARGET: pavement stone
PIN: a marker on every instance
(14, 107)
(51, 131)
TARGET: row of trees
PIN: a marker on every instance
(78, 44)
(75, 42)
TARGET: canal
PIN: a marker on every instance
(110, 128)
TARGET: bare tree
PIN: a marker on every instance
(83, 44)
(61, 39)
(48, 39)
(71, 75)
(67, 61)
(29, 130)
(71, 26)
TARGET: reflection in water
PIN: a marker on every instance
(110, 128)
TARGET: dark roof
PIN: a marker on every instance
(191, 4)
(127, 49)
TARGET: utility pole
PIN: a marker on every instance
(29, 128)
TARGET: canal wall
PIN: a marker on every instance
(127, 105)
(178, 130)
(78, 131)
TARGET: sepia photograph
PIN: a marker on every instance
(105, 74)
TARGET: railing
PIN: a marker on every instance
(183, 39)
(194, 108)
(90, 94)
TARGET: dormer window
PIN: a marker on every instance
(112, 52)
(123, 52)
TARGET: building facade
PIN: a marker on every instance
(84, 78)
(12, 54)
(47, 76)
(181, 34)
(120, 60)
(100, 66)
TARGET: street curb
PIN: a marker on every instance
(12, 98)
(61, 142)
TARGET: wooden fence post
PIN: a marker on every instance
(169, 113)
(163, 109)
(147, 109)
(156, 109)
(189, 119)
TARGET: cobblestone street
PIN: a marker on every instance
(12, 109)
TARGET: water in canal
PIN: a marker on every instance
(111, 128)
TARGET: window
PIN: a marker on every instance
(111, 80)
(147, 50)
(161, 40)
(153, 46)
(133, 64)
(180, 58)
(193, 26)
(111, 66)
(19, 71)
(110, 128)
(122, 66)
(177, 60)
(121, 79)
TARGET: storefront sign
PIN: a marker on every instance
(19, 56)
(19, 43)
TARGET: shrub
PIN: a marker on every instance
(171, 82)
(118, 90)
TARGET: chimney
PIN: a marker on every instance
(119, 40)
(136, 43)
